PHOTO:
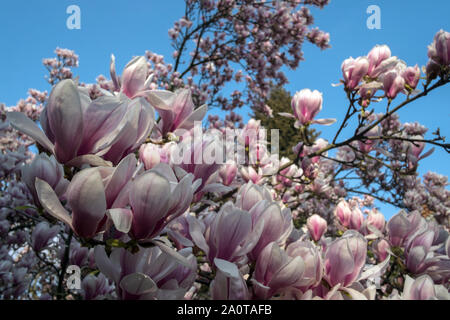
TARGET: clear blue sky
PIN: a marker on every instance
(31, 30)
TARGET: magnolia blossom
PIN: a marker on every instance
(345, 258)
(228, 172)
(42, 234)
(151, 212)
(316, 226)
(344, 213)
(148, 274)
(275, 271)
(356, 219)
(45, 168)
(151, 154)
(156, 197)
(306, 104)
(393, 84)
(354, 70)
(412, 76)
(176, 110)
(276, 224)
(439, 50)
(78, 131)
(376, 56)
(216, 240)
(376, 219)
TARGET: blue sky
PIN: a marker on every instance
(31, 30)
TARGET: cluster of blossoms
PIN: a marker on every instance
(122, 188)
(59, 68)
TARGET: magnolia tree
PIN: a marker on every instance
(115, 190)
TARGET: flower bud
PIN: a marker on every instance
(228, 172)
(343, 213)
(376, 219)
(356, 219)
(317, 226)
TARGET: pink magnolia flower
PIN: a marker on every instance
(317, 226)
(148, 274)
(411, 76)
(345, 258)
(216, 240)
(376, 56)
(414, 150)
(250, 194)
(354, 70)
(343, 213)
(42, 234)
(228, 172)
(276, 224)
(135, 80)
(79, 131)
(367, 91)
(156, 197)
(393, 84)
(276, 271)
(439, 50)
(422, 288)
(90, 193)
(402, 226)
(376, 219)
(251, 133)
(198, 157)
(312, 260)
(150, 155)
(177, 111)
(381, 249)
(306, 104)
(356, 218)
(95, 287)
(45, 168)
